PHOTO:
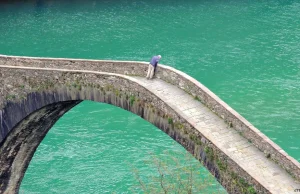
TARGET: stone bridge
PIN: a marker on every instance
(36, 92)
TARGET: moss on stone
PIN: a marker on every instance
(242, 184)
(170, 121)
(10, 97)
(185, 131)
(178, 125)
(222, 166)
(74, 85)
(153, 110)
(209, 153)
(195, 139)
(251, 190)
(117, 92)
(197, 98)
(132, 99)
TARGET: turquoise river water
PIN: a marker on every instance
(247, 52)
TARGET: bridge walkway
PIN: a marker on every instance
(245, 154)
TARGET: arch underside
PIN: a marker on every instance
(19, 146)
(21, 142)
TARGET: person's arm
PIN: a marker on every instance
(156, 62)
(155, 67)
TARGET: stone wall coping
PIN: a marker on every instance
(263, 138)
(73, 59)
(71, 70)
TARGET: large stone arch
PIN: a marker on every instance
(37, 89)
(40, 97)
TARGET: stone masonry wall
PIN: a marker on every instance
(31, 89)
(183, 81)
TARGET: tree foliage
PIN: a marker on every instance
(173, 173)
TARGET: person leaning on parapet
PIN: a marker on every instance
(152, 66)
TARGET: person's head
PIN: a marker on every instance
(159, 56)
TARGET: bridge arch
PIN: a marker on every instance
(28, 118)
(36, 92)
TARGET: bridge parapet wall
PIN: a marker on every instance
(234, 119)
(181, 80)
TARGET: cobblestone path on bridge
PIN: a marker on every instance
(245, 154)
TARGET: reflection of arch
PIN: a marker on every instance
(52, 87)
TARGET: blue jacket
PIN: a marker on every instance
(154, 61)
